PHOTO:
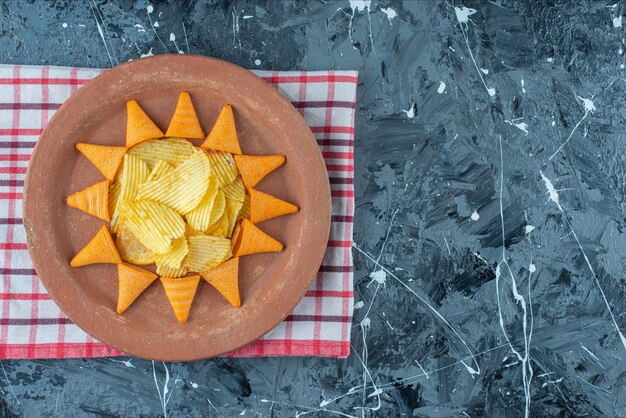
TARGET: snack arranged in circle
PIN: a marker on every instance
(189, 210)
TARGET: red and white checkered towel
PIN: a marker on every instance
(31, 324)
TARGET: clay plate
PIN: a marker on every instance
(271, 284)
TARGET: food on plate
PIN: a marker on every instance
(93, 200)
(178, 208)
(132, 282)
(100, 250)
(254, 167)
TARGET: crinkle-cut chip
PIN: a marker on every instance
(244, 213)
(225, 278)
(135, 173)
(252, 240)
(264, 206)
(220, 228)
(233, 207)
(190, 231)
(93, 200)
(253, 168)
(106, 159)
(200, 217)
(175, 257)
(235, 190)
(223, 136)
(139, 127)
(223, 166)
(161, 169)
(166, 271)
(184, 122)
(235, 236)
(115, 191)
(131, 249)
(173, 151)
(100, 250)
(154, 224)
(180, 292)
(206, 252)
(184, 188)
(132, 281)
(219, 206)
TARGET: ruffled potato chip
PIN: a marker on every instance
(219, 206)
(135, 173)
(155, 225)
(200, 217)
(244, 213)
(206, 252)
(223, 166)
(161, 169)
(166, 271)
(235, 190)
(173, 151)
(233, 207)
(131, 249)
(184, 188)
(174, 258)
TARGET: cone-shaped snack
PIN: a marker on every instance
(264, 206)
(253, 168)
(184, 123)
(223, 136)
(139, 127)
(93, 200)
(251, 240)
(180, 293)
(101, 249)
(225, 278)
(132, 282)
(106, 159)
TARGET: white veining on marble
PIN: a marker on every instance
(522, 126)
(441, 88)
(357, 6)
(389, 12)
(462, 16)
(96, 13)
(164, 398)
(186, 40)
(411, 112)
(527, 370)
(589, 107)
(6, 377)
(149, 10)
(592, 355)
(554, 197)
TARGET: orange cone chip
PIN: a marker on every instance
(223, 136)
(253, 168)
(100, 250)
(225, 278)
(132, 282)
(264, 206)
(139, 127)
(251, 240)
(106, 159)
(185, 123)
(180, 293)
(93, 200)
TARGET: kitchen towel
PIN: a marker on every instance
(32, 326)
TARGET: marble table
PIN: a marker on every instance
(490, 243)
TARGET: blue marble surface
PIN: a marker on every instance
(490, 192)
